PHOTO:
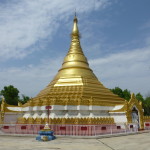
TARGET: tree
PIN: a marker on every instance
(123, 94)
(146, 106)
(118, 91)
(127, 94)
(10, 94)
(24, 99)
(148, 94)
(139, 97)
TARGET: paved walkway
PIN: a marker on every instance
(130, 142)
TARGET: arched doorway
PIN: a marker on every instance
(134, 112)
(135, 116)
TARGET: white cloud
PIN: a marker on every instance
(30, 79)
(25, 23)
(130, 69)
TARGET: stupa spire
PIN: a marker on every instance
(75, 31)
(75, 57)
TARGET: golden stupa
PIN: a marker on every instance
(76, 96)
(75, 83)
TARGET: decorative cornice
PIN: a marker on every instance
(102, 120)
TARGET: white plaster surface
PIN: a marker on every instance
(44, 114)
(82, 107)
(71, 107)
(27, 108)
(36, 108)
(15, 108)
(58, 111)
(65, 107)
(27, 115)
(119, 118)
(68, 113)
(101, 107)
(58, 107)
(118, 107)
(36, 115)
(11, 117)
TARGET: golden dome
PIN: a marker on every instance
(75, 83)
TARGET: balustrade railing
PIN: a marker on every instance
(71, 130)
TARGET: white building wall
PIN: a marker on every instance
(61, 111)
(119, 117)
(11, 117)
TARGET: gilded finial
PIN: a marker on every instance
(75, 14)
(132, 96)
(75, 30)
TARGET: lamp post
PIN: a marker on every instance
(48, 109)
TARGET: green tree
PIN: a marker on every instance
(24, 99)
(118, 91)
(10, 94)
(121, 93)
(139, 97)
(127, 94)
(146, 106)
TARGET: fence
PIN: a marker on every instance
(72, 130)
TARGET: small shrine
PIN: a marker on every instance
(45, 134)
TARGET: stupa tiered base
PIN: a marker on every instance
(46, 134)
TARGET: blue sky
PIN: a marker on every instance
(35, 37)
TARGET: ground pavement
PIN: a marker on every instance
(129, 142)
